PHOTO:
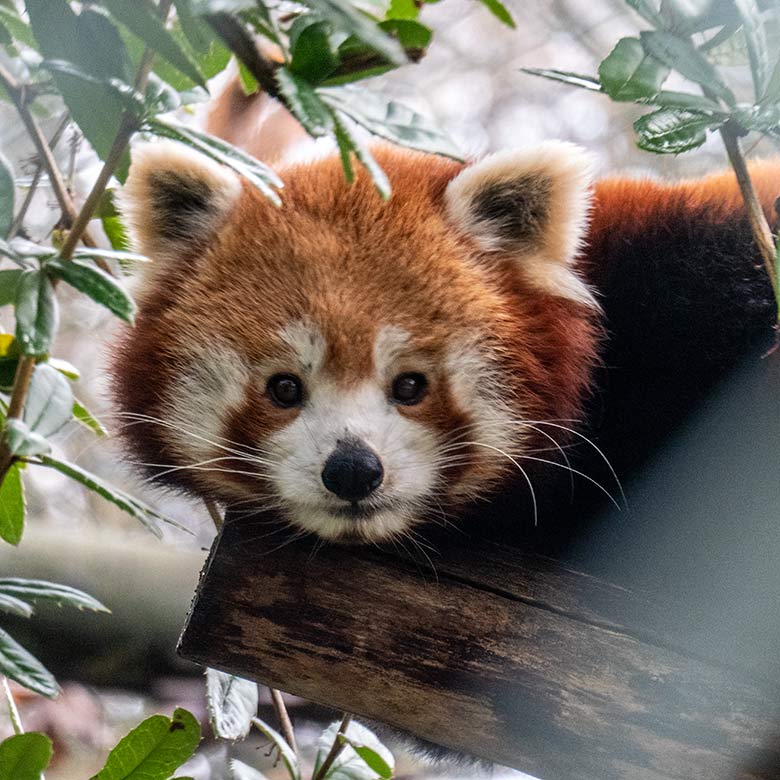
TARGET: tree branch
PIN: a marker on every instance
(337, 747)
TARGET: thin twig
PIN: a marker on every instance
(13, 712)
(283, 717)
(16, 225)
(18, 94)
(336, 748)
(127, 126)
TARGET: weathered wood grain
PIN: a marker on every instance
(510, 657)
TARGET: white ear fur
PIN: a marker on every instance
(532, 203)
(175, 197)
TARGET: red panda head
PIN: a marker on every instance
(355, 365)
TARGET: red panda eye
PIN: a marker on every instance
(409, 388)
(285, 390)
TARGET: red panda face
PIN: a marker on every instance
(354, 365)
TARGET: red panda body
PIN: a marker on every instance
(360, 368)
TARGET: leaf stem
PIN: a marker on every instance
(13, 712)
(336, 748)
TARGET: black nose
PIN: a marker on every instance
(352, 472)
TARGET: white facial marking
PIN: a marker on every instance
(208, 390)
(307, 344)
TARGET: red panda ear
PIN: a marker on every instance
(531, 203)
(175, 197)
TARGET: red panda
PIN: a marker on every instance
(360, 368)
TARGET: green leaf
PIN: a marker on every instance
(231, 702)
(249, 84)
(22, 442)
(6, 196)
(687, 100)
(142, 20)
(91, 42)
(410, 34)
(566, 77)
(646, 10)
(313, 57)
(154, 749)
(402, 9)
(285, 751)
(251, 168)
(42, 590)
(305, 104)
(389, 119)
(195, 30)
(95, 283)
(24, 756)
(346, 137)
(49, 401)
(87, 419)
(372, 758)
(349, 765)
(37, 313)
(241, 771)
(499, 10)
(12, 507)
(343, 16)
(21, 666)
(14, 606)
(345, 151)
(9, 281)
(629, 74)
(686, 59)
(135, 508)
(673, 131)
(112, 222)
(18, 28)
(65, 368)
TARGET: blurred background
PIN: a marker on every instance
(116, 669)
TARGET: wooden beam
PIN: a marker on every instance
(509, 657)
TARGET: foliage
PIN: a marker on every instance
(687, 37)
(113, 70)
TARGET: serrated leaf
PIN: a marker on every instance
(37, 313)
(14, 606)
(135, 508)
(305, 104)
(9, 281)
(500, 11)
(23, 667)
(141, 19)
(49, 401)
(25, 756)
(348, 764)
(673, 131)
(232, 703)
(682, 56)
(7, 189)
(42, 590)
(241, 771)
(668, 99)
(566, 77)
(97, 284)
(86, 418)
(628, 73)
(154, 749)
(389, 119)
(22, 442)
(344, 16)
(12, 506)
(285, 751)
(347, 138)
(251, 168)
